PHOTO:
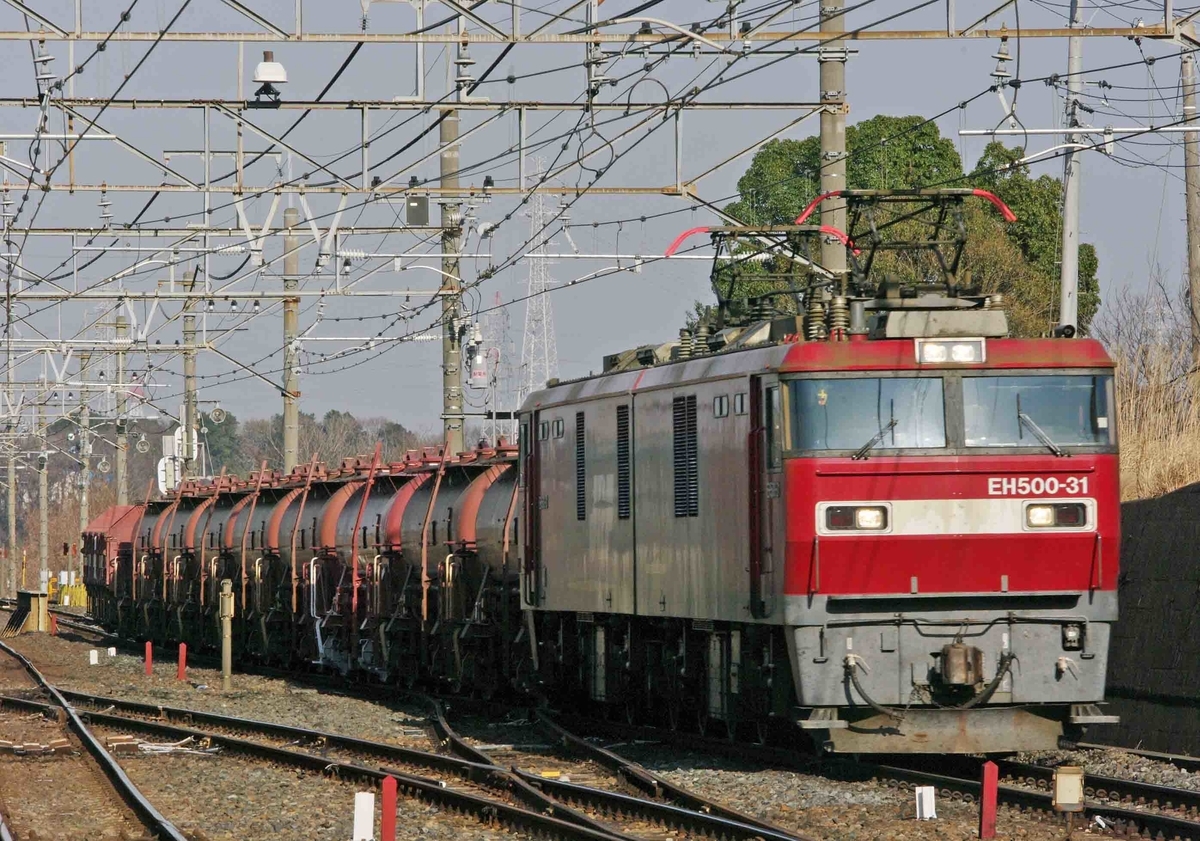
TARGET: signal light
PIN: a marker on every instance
(953, 351)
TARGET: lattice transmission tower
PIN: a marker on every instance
(501, 362)
(539, 351)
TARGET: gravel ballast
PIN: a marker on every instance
(824, 804)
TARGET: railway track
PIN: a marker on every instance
(1183, 801)
(114, 805)
(571, 779)
(1127, 807)
(658, 809)
(1191, 764)
(452, 784)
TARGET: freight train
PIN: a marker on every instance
(876, 518)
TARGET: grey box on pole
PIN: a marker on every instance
(418, 211)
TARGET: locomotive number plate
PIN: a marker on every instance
(1036, 485)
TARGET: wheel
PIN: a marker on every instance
(674, 714)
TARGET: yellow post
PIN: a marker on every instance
(226, 615)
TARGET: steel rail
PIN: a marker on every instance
(647, 781)
(143, 808)
(961, 774)
(1179, 760)
(1124, 820)
(613, 802)
(436, 791)
(1111, 788)
(519, 787)
(713, 821)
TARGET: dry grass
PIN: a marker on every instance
(1158, 390)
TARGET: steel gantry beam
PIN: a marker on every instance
(805, 36)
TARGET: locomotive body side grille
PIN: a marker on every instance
(580, 469)
(686, 464)
(624, 472)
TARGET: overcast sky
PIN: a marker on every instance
(1132, 203)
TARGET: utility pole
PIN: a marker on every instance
(122, 420)
(831, 58)
(14, 429)
(291, 329)
(1191, 173)
(1068, 305)
(43, 464)
(85, 452)
(452, 411)
(188, 421)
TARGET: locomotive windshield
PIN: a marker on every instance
(1069, 410)
(846, 414)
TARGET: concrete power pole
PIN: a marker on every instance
(452, 410)
(832, 60)
(14, 429)
(291, 329)
(14, 425)
(188, 421)
(43, 464)
(1068, 305)
(122, 454)
(85, 452)
(1191, 172)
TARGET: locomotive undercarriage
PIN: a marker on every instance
(990, 673)
(721, 678)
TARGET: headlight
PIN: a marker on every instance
(1059, 515)
(957, 351)
(870, 518)
(964, 353)
(933, 353)
(1039, 516)
(1072, 637)
(856, 518)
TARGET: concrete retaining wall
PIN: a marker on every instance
(1154, 664)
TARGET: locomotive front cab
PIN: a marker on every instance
(952, 535)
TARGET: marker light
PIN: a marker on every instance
(1039, 516)
(870, 518)
(956, 351)
(856, 518)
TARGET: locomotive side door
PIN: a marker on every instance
(767, 513)
(531, 498)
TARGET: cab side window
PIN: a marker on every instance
(773, 415)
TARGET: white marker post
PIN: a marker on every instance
(94, 657)
(926, 805)
(364, 816)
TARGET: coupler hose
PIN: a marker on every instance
(852, 664)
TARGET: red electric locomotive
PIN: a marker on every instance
(901, 532)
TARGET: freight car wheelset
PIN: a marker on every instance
(851, 503)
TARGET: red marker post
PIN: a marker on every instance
(181, 670)
(987, 800)
(149, 658)
(387, 820)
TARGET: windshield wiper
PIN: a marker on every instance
(1042, 436)
(866, 448)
